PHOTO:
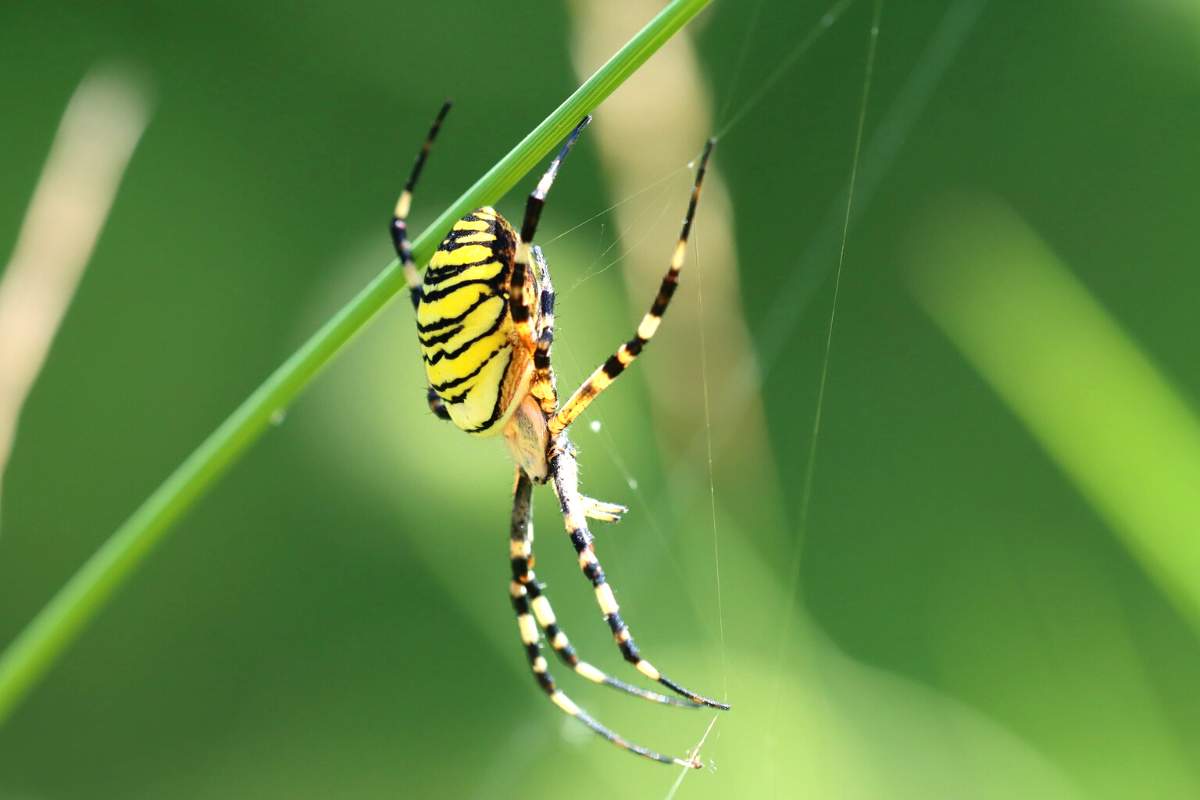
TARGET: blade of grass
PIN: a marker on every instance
(96, 138)
(1097, 404)
(44, 639)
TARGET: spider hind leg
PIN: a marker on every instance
(534, 614)
(564, 474)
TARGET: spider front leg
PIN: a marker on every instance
(544, 387)
(533, 611)
(520, 301)
(400, 241)
(399, 226)
(564, 473)
(523, 306)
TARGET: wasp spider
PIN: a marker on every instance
(485, 321)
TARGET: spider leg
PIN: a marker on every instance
(519, 305)
(543, 386)
(436, 405)
(404, 205)
(607, 372)
(403, 246)
(537, 663)
(564, 472)
(521, 555)
(532, 607)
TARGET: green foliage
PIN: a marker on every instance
(332, 620)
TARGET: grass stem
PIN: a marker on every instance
(38, 646)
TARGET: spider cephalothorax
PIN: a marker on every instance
(485, 322)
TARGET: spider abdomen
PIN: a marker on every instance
(472, 357)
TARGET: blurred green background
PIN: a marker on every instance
(332, 620)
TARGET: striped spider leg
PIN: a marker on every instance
(402, 244)
(534, 612)
(544, 388)
(606, 373)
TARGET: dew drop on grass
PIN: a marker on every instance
(278, 416)
(595, 426)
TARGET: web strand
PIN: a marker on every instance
(819, 257)
(712, 485)
(619, 203)
(877, 158)
(803, 46)
(693, 753)
(739, 63)
(806, 496)
(617, 239)
(790, 598)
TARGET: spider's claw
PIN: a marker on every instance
(699, 699)
(601, 511)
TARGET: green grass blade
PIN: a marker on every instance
(1081, 385)
(44, 639)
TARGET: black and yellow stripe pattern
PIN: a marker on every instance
(485, 322)
(469, 343)
(534, 612)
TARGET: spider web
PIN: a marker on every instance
(810, 467)
(827, 252)
(662, 202)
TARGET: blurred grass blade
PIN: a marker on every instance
(95, 140)
(61, 620)
(1090, 397)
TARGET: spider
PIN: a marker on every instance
(485, 322)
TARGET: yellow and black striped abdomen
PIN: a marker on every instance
(464, 327)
